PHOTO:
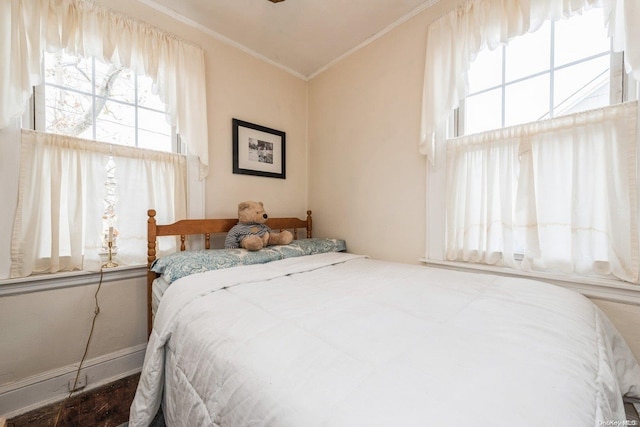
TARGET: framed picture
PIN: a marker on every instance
(258, 150)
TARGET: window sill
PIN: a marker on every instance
(604, 289)
(47, 282)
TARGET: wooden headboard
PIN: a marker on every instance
(205, 227)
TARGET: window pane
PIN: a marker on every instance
(111, 95)
(153, 131)
(68, 112)
(69, 71)
(582, 87)
(115, 123)
(527, 101)
(528, 54)
(580, 37)
(483, 112)
(486, 70)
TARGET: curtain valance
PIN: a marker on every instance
(455, 39)
(27, 27)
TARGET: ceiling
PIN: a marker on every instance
(302, 36)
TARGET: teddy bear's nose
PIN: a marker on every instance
(265, 216)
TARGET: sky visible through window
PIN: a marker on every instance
(562, 68)
(94, 100)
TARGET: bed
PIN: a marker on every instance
(313, 335)
(199, 227)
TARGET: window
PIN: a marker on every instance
(90, 99)
(81, 193)
(565, 67)
(543, 177)
(74, 170)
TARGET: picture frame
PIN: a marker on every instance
(258, 150)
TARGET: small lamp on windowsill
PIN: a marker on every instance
(110, 263)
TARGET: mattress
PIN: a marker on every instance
(343, 340)
(158, 288)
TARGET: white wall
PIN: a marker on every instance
(259, 93)
(46, 330)
(366, 177)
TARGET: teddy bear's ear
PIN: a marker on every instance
(244, 205)
(261, 205)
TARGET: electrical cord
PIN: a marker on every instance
(96, 311)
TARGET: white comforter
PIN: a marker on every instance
(342, 340)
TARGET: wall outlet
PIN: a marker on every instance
(80, 384)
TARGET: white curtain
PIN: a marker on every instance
(58, 224)
(482, 172)
(27, 27)
(622, 17)
(578, 209)
(456, 38)
(561, 192)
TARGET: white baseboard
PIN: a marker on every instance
(49, 387)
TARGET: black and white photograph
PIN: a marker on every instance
(258, 150)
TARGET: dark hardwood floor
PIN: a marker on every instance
(107, 406)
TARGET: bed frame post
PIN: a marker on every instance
(309, 224)
(151, 256)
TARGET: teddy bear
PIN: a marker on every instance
(251, 232)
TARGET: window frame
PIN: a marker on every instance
(618, 82)
(39, 117)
